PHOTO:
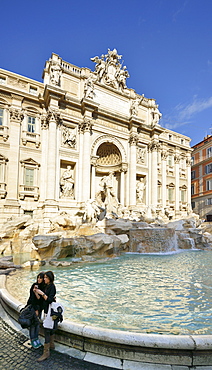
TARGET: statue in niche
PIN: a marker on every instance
(67, 184)
(69, 137)
(140, 187)
(89, 88)
(55, 75)
(156, 116)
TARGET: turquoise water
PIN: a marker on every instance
(166, 293)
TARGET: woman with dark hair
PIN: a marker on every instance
(37, 303)
(48, 295)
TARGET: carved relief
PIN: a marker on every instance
(69, 137)
(134, 105)
(17, 82)
(141, 155)
(109, 70)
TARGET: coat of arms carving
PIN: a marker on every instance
(109, 70)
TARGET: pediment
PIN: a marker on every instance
(30, 161)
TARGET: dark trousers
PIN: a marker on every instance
(33, 331)
(48, 333)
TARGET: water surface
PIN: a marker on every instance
(165, 293)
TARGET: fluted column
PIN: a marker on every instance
(93, 177)
(163, 171)
(53, 118)
(86, 127)
(16, 118)
(132, 169)
(177, 183)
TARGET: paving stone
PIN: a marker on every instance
(15, 355)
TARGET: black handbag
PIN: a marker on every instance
(27, 317)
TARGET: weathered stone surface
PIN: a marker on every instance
(152, 240)
(119, 226)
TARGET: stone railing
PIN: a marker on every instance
(122, 349)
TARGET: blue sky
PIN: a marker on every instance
(166, 46)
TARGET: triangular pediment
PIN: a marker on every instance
(30, 161)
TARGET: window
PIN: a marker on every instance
(182, 163)
(29, 176)
(31, 124)
(170, 137)
(192, 189)
(192, 205)
(209, 152)
(183, 196)
(208, 168)
(33, 90)
(208, 201)
(182, 141)
(209, 185)
(171, 194)
(170, 160)
(1, 116)
(193, 174)
(2, 81)
(192, 161)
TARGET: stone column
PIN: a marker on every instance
(177, 183)
(163, 171)
(86, 165)
(132, 169)
(44, 156)
(154, 173)
(80, 164)
(93, 177)
(16, 118)
(53, 119)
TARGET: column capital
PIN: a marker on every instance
(133, 139)
(85, 126)
(163, 155)
(16, 114)
(176, 159)
(154, 146)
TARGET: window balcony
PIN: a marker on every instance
(29, 191)
(4, 131)
(32, 137)
(3, 191)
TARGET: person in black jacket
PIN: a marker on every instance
(48, 296)
(37, 303)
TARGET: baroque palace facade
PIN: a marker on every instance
(65, 140)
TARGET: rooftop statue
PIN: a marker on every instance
(109, 70)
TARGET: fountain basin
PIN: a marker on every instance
(125, 350)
